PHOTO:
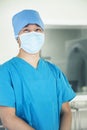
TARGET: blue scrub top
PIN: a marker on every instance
(37, 94)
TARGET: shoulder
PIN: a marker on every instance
(5, 66)
(58, 73)
(6, 70)
(54, 68)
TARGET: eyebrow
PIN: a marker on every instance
(31, 24)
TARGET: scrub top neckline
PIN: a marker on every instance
(28, 64)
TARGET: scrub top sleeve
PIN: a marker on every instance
(7, 97)
(67, 92)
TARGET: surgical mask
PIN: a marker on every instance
(32, 42)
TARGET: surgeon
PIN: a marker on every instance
(34, 93)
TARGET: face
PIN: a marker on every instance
(30, 28)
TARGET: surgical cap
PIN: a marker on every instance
(25, 17)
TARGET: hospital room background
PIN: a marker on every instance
(65, 44)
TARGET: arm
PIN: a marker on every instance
(11, 121)
(66, 117)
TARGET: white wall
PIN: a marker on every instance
(53, 12)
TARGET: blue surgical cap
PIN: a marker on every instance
(24, 18)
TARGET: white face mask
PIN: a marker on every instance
(32, 42)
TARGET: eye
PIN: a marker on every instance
(38, 30)
(26, 30)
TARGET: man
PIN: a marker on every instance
(34, 93)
